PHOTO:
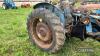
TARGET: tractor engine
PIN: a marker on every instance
(89, 16)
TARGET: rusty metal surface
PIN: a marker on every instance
(43, 32)
(91, 6)
(43, 35)
(88, 7)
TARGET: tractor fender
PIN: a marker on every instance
(53, 9)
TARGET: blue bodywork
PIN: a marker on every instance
(93, 19)
(60, 13)
(9, 4)
(89, 27)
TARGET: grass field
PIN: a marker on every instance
(14, 40)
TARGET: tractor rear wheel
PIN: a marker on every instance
(4, 6)
(45, 30)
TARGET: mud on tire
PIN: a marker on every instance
(42, 20)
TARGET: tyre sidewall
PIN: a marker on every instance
(4, 6)
(39, 13)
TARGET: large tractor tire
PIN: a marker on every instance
(45, 30)
(4, 6)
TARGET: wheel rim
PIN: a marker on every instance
(42, 34)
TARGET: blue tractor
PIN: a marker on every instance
(49, 25)
(9, 4)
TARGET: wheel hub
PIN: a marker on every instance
(43, 32)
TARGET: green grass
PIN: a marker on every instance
(14, 40)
